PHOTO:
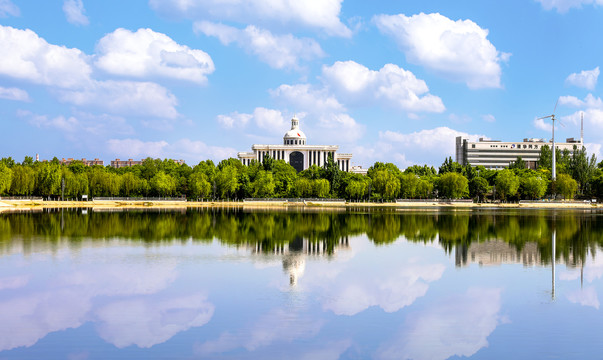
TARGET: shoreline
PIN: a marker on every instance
(8, 205)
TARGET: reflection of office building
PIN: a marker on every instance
(494, 154)
(297, 152)
(498, 252)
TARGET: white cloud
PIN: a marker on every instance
(318, 14)
(13, 282)
(13, 94)
(339, 128)
(269, 119)
(591, 108)
(74, 11)
(457, 326)
(66, 301)
(234, 120)
(585, 297)
(146, 53)
(489, 118)
(585, 79)
(458, 50)
(146, 323)
(278, 51)
(192, 151)
(27, 56)
(391, 84)
(7, 8)
(563, 6)
(80, 124)
(305, 98)
(428, 146)
(266, 330)
(124, 97)
(543, 124)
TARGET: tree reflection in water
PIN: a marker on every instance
(474, 236)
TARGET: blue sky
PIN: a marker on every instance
(391, 81)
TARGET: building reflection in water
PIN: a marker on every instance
(295, 253)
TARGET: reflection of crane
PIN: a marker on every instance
(552, 117)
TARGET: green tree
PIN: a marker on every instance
(24, 180)
(450, 166)
(518, 164)
(507, 184)
(303, 187)
(263, 186)
(582, 169)
(198, 185)
(284, 179)
(478, 187)
(6, 175)
(424, 189)
(532, 187)
(452, 185)
(408, 185)
(385, 183)
(321, 188)
(566, 186)
(130, 184)
(163, 184)
(332, 174)
(227, 182)
(48, 179)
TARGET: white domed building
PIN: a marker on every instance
(297, 152)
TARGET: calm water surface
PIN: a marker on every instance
(218, 284)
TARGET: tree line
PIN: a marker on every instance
(578, 235)
(577, 176)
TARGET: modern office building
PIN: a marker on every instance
(297, 152)
(495, 154)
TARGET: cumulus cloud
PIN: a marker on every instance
(585, 79)
(489, 118)
(268, 329)
(457, 326)
(80, 126)
(7, 8)
(190, 150)
(458, 50)
(13, 94)
(67, 301)
(306, 98)
(585, 297)
(391, 84)
(278, 51)
(234, 120)
(339, 128)
(318, 14)
(28, 57)
(591, 108)
(74, 11)
(124, 97)
(146, 53)
(543, 124)
(427, 146)
(146, 323)
(270, 120)
(562, 6)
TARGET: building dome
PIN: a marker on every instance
(294, 136)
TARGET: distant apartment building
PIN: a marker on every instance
(86, 162)
(117, 163)
(495, 154)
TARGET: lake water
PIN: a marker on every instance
(355, 284)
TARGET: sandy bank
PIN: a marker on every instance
(7, 205)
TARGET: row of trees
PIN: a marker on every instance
(230, 179)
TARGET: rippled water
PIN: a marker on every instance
(233, 284)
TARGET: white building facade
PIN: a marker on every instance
(493, 154)
(297, 152)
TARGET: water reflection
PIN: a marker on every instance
(355, 284)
